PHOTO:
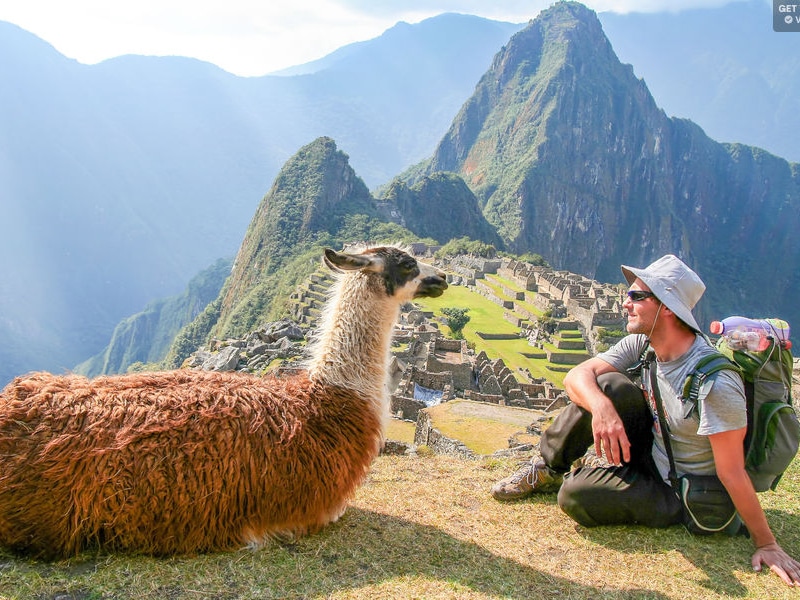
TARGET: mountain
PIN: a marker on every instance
(570, 157)
(440, 206)
(317, 200)
(696, 66)
(124, 179)
(147, 336)
(315, 191)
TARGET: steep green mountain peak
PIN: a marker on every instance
(311, 196)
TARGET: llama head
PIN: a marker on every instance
(401, 274)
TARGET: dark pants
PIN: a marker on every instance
(633, 493)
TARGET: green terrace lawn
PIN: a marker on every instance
(487, 317)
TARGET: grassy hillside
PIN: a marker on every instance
(427, 527)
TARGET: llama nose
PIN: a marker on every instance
(439, 278)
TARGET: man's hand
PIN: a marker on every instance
(780, 563)
(610, 439)
(609, 435)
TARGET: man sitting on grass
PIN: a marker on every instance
(612, 412)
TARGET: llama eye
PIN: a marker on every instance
(409, 266)
(409, 270)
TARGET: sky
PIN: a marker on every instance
(255, 37)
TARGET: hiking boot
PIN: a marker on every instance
(534, 478)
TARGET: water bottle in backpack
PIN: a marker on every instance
(741, 333)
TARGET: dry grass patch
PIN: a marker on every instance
(402, 431)
(483, 428)
(428, 528)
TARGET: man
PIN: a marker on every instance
(611, 412)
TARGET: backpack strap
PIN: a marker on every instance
(697, 383)
(644, 358)
(649, 366)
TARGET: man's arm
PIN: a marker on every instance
(607, 427)
(729, 460)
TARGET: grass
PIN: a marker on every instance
(482, 427)
(402, 431)
(426, 527)
(486, 316)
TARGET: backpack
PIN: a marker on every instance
(773, 430)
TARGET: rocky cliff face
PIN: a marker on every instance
(442, 207)
(146, 336)
(570, 157)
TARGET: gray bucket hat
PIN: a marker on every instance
(674, 284)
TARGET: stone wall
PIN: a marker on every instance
(521, 273)
(461, 373)
(427, 435)
(405, 407)
(484, 289)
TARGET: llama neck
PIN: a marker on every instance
(353, 344)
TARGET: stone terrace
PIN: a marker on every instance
(428, 368)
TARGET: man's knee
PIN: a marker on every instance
(620, 389)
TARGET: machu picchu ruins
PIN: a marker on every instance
(559, 313)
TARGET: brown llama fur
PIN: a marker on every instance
(191, 461)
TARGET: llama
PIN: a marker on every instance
(186, 461)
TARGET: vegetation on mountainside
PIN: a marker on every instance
(316, 201)
(268, 299)
(465, 245)
(441, 206)
(537, 260)
(192, 336)
(146, 337)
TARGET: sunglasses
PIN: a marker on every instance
(639, 295)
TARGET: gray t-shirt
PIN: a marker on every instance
(723, 409)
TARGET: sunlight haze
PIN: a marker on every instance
(251, 37)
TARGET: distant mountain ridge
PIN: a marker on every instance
(147, 336)
(126, 178)
(697, 65)
(120, 181)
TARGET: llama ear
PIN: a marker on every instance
(339, 261)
